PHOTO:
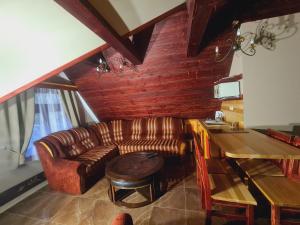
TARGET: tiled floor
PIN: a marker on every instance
(180, 205)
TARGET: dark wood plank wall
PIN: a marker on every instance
(168, 83)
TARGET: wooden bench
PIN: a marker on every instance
(283, 195)
(254, 167)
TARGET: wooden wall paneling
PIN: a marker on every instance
(168, 83)
(233, 111)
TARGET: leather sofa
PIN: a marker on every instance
(73, 160)
(164, 135)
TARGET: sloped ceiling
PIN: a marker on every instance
(168, 83)
(39, 38)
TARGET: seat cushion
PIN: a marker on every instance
(97, 157)
(169, 147)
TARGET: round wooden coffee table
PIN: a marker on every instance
(130, 172)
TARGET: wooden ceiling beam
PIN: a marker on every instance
(199, 13)
(262, 9)
(89, 16)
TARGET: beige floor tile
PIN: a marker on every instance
(13, 219)
(193, 199)
(190, 181)
(174, 199)
(195, 217)
(164, 216)
(75, 212)
(41, 205)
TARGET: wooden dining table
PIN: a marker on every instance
(249, 143)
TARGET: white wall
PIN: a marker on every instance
(271, 80)
(38, 36)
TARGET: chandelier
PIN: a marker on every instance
(242, 42)
(117, 65)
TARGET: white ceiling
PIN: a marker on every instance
(38, 36)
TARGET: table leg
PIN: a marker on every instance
(275, 215)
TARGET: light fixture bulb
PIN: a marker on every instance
(217, 49)
(100, 61)
(238, 32)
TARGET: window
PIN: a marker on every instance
(227, 90)
(49, 117)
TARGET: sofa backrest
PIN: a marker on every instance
(137, 129)
(103, 133)
(171, 127)
(82, 135)
(118, 130)
(69, 146)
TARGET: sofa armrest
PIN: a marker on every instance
(122, 219)
(62, 174)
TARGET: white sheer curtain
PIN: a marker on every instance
(49, 117)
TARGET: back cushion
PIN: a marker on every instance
(118, 127)
(103, 130)
(69, 146)
(171, 128)
(136, 129)
(83, 137)
(151, 128)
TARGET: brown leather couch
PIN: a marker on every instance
(164, 135)
(73, 160)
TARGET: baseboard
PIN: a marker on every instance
(21, 197)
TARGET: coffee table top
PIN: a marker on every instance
(134, 166)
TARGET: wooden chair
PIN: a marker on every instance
(227, 191)
(284, 137)
(214, 165)
(283, 195)
(254, 167)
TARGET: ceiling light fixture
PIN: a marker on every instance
(243, 42)
(116, 65)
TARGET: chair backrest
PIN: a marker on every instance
(280, 136)
(284, 137)
(294, 169)
(206, 188)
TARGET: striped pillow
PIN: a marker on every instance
(66, 139)
(169, 129)
(104, 131)
(152, 127)
(136, 128)
(117, 130)
(83, 137)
